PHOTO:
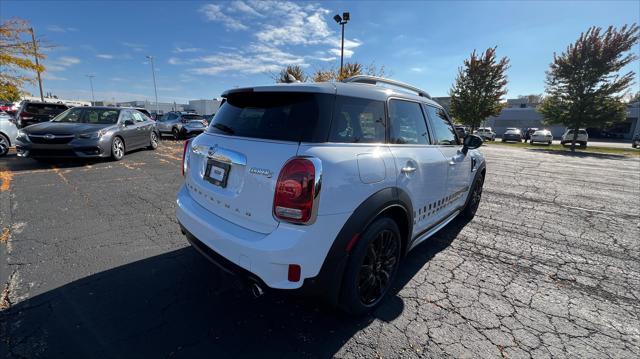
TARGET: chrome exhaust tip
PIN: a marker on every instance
(256, 290)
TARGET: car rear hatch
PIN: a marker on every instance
(41, 112)
(193, 121)
(234, 166)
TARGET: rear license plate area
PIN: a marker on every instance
(217, 173)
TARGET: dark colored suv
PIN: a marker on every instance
(35, 112)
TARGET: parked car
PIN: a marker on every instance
(8, 132)
(582, 139)
(526, 134)
(181, 124)
(31, 112)
(486, 133)
(462, 131)
(512, 134)
(542, 136)
(141, 109)
(88, 132)
(276, 192)
(635, 142)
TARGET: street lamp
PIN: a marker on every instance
(155, 89)
(342, 21)
(91, 84)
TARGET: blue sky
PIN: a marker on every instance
(203, 48)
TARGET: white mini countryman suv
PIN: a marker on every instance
(323, 188)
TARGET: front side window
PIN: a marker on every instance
(357, 120)
(442, 129)
(138, 117)
(407, 124)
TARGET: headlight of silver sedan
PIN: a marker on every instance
(22, 136)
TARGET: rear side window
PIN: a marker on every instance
(357, 120)
(283, 116)
(44, 109)
(407, 124)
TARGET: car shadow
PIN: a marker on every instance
(578, 153)
(13, 163)
(178, 304)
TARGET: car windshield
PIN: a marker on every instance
(541, 132)
(513, 132)
(98, 116)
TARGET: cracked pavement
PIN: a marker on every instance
(92, 264)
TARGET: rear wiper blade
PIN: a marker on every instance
(224, 128)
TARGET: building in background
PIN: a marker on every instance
(163, 107)
(203, 107)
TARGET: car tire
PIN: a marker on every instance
(154, 139)
(475, 195)
(4, 145)
(549, 143)
(176, 133)
(117, 148)
(369, 275)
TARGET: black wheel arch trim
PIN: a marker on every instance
(329, 280)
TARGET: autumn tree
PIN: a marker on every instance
(291, 73)
(583, 84)
(479, 88)
(348, 70)
(16, 58)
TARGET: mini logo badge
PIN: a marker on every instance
(49, 136)
(261, 171)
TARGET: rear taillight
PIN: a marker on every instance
(297, 189)
(185, 157)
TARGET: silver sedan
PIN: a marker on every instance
(8, 132)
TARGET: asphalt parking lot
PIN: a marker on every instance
(93, 264)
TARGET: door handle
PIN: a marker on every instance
(408, 169)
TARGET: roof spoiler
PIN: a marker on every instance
(374, 80)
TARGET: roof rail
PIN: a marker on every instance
(373, 80)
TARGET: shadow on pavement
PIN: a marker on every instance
(579, 154)
(178, 304)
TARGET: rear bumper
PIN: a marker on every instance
(263, 257)
(541, 139)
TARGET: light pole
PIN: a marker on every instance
(155, 89)
(342, 21)
(35, 55)
(91, 84)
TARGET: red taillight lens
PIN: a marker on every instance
(295, 191)
(293, 274)
(185, 158)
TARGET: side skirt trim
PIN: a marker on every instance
(421, 237)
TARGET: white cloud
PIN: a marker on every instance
(57, 28)
(179, 50)
(61, 63)
(417, 69)
(105, 56)
(114, 57)
(52, 77)
(118, 79)
(135, 47)
(214, 12)
(280, 29)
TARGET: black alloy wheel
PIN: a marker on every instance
(379, 265)
(372, 266)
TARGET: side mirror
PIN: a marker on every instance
(128, 122)
(471, 142)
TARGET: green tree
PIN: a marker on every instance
(583, 85)
(291, 73)
(16, 57)
(479, 88)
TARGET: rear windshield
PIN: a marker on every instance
(192, 117)
(44, 108)
(580, 132)
(283, 116)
